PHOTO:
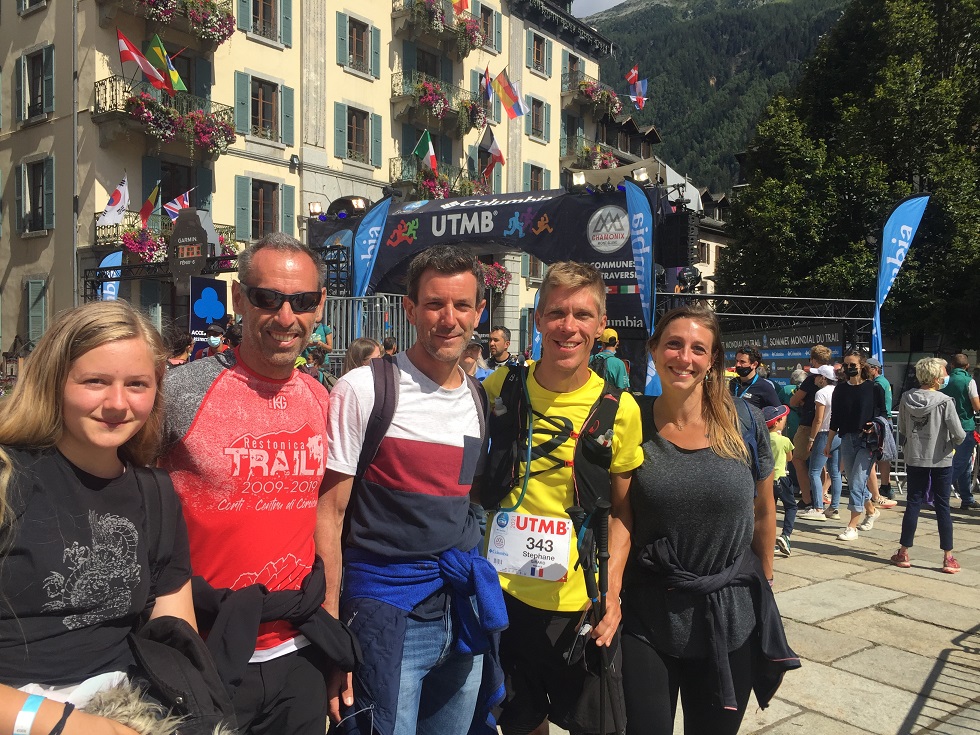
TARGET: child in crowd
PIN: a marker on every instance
(782, 452)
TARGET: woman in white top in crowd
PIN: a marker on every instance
(825, 379)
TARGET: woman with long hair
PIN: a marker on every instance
(703, 536)
(826, 380)
(360, 353)
(930, 430)
(856, 403)
(75, 568)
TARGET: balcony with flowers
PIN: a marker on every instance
(205, 128)
(436, 22)
(149, 244)
(449, 181)
(206, 23)
(587, 92)
(428, 102)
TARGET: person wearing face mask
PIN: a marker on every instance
(749, 384)
(825, 380)
(855, 404)
(930, 430)
(214, 342)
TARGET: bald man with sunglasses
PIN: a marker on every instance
(244, 445)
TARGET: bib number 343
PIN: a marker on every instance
(530, 546)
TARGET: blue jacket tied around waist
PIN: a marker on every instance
(399, 586)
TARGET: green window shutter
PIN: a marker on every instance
(547, 122)
(546, 179)
(529, 48)
(287, 115)
(410, 136)
(340, 129)
(1, 203)
(564, 63)
(375, 52)
(376, 140)
(49, 193)
(343, 49)
(580, 127)
(475, 9)
(496, 108)
(19, 89)
(243, 108)
(473, 161)
(202, 77)
(498, 22)
(525, 336)
(528, 116)
(527, 177)
(289, 209)
(151, 175)
(48, 85)
(243, 208)
(286, 22)
(474, 81)
(204, 181)
(19, 173)
(447, 70)
(409, 61)
(525, 265)
(497, 184)
(446, 150)
(245, 15)
(37, 310)
(548, 48)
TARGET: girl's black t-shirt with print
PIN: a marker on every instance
(74, 574)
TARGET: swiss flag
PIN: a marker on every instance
(633, 75)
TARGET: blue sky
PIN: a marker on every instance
(582, 8)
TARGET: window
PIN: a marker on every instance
(487, 26)
(704, 253)
(265, 115)
(537, 178)
(265, 19)
(35, 84)
(357, 135)
(175, 179)
(574, 70)
(427, 63)
(34, 196)
(358, 39)
(34, 81)
(537, 50)
(537, 118)
(535, 268)
(265, 208)
(25, 5)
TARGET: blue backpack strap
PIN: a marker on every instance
(385, 373)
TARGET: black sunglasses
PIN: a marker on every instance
(269, 300)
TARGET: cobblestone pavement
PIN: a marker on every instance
(885, 650)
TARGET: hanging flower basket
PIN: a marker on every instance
(468, 35)
(429, 12)
(603, 100)
(430, 96)
(158, 10)
(596, 158)
(145, 245)
(209, 21)
(471, 115)
(208, 134)
(227, 248)
(160, 121)
(433, 186)
(496, 277)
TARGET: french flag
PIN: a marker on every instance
(173, 208)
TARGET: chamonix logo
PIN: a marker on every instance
(608, 229)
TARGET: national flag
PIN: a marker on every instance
(173, 208)
(509, 95)
(461, 6)
(633, 75)
(639, 93)
(520, 106)
(426, 152)
(129, 52)
(486, 85)
(158, 56)
(149, 205)
(489, 144)
(115, 210)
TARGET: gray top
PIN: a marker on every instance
(704, 505)
(929, 428)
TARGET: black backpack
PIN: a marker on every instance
(507, 431)
(598, 363)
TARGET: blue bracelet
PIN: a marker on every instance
(25, 718)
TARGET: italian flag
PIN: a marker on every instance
(426, 152)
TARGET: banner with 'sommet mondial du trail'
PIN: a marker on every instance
(897, 236)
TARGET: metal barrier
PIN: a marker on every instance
(377, 317)
(899, 474)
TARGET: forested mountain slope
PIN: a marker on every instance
(712, 67)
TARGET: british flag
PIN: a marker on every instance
(173, 208)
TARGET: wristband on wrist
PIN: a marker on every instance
(60, 726)
(25, 718)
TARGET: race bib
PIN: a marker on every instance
(530, 546)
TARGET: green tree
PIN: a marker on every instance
(887, 106)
